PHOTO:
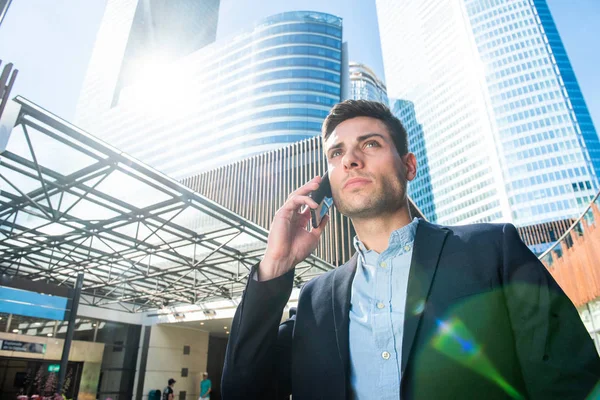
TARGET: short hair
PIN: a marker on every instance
(171, 381)
(364, 108)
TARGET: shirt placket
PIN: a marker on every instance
(382, 324)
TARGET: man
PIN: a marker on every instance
(168, 392)
(421, 311)
(205, 386)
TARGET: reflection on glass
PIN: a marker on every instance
(31, 326)
(84, 330)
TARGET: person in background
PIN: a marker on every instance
(205, 387)
(168, 392)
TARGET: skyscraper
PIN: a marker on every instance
(137, 36)
(507, 132)
(365, 85)
(419, 189)
(163, 31)
(237, 97)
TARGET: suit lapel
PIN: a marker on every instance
(341, 291)
(429, 240)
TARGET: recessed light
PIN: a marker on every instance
(201, 323)
(94, 325)
(224, 327)
(15, 330)
(49, 335)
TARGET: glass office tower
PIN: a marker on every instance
(419, 189)
(507, 133)
(237, 97)
(365, 85)
(137, 38)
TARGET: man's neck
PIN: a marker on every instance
(375, 233)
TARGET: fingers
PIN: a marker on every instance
(318, 230)
(296, 202)
(308, 187)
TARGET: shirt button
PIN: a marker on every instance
(383, 264)
(380, 305)
(385, 355)
(407, 247)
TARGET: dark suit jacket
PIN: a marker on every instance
(484, 319)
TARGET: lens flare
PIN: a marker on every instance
(454, 340)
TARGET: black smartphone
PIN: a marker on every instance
(322, 196)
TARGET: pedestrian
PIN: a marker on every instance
(168, 393)
(205, 386)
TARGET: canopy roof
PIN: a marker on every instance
(70, 203)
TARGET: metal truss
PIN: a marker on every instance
(70, 203)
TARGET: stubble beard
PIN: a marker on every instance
(387, 198)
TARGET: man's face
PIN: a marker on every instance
(368, 177)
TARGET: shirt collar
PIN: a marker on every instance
(398, 238)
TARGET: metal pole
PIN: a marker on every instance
(70, 330)
(8, 323)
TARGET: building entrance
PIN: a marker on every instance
(29, 377)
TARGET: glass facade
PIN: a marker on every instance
(233, 99)
(121, 342)
(419, 189)
(549, 148)
(487, 75)
(365, 85)
(164, 31)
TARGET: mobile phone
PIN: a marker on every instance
(322, 196)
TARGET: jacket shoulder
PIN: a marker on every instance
(325, 281)
(479, 232)
(319, 283)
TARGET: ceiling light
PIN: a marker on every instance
(15, 330)
(224, 327)
(227, 332)
(49, 334)
(201, 323)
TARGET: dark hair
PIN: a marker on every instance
(172, 381)
(292, 312)
(363, 108)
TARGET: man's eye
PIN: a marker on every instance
(335, 154)
(371, 144)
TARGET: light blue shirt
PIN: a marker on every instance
(377, 305)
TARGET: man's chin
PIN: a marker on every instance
(356, 210)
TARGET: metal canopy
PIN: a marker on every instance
(71, 203)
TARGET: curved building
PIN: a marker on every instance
(258, 91)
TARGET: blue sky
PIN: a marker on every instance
(50, 42)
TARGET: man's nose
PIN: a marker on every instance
(352, 160)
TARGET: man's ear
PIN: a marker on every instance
(410, 165)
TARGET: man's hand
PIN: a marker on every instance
(289, 240)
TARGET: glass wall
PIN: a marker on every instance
(255, 92)
(121, 342)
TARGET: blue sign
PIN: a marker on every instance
(31, 304)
